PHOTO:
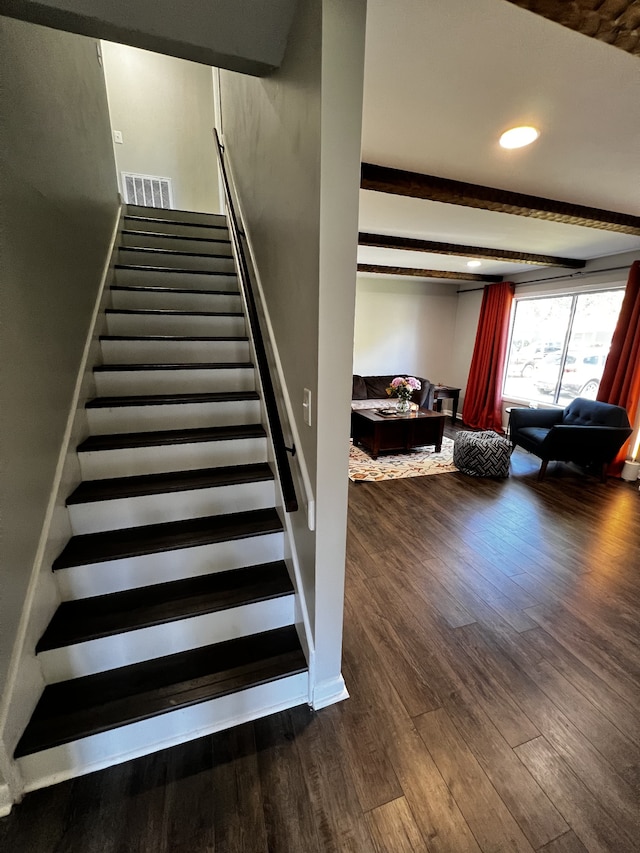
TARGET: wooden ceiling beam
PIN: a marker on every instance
(416, 185)
(410, 244)
(417, 273)
(615, 23)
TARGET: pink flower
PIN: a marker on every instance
(402, 386)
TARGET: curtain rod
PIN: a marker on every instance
(576, 274)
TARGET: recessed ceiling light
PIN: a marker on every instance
(474, 263)
(518, 137)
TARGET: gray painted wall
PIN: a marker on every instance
(294, 143)
(164, 109)
(272, 137)
(272, 130)
(59, 203)
(245, 35)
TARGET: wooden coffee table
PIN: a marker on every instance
(397, 432)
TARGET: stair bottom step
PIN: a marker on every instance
(97, 752)
(96, 704)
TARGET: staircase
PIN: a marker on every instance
(177, 614)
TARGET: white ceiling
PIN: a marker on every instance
(443, 80)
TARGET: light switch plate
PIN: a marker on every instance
(117, 137)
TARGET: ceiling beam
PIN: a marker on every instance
(613, 23)
(416, 185)
(446, 274)
(386, 241)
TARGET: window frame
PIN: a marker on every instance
(574, 293)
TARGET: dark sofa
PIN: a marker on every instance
(587, 432)
(370, 391)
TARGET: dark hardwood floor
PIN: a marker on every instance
(492, 654)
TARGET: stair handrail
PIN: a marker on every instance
(280, 448)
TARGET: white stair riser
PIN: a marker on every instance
(132, 572)
(149, 301)
(129, 461)
(173, 215)
(188, 280)
(174, 352)
(176, 261)
(125, 382)
(162, 324)
(99, 516)
(166, 639)
(179, 228)
(176, 244)
(122, 744)
(184, 416)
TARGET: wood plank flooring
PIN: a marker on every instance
(492, 654)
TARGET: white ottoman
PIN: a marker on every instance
(482, 454)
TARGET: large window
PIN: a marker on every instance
(559, 345)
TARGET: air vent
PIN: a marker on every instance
(147, 190)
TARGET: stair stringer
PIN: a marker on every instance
(25, 681)
(323, 693)
(302, 621)
(297, 526)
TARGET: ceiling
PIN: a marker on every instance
(443, 80)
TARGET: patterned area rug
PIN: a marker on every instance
(415, 463)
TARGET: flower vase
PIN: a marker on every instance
(403, 406)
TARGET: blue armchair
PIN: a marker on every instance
(587, 432)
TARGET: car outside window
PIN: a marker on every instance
(559, 345)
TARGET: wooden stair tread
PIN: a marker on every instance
(213, 239)
(154, 250)
(175, 270)
(170, 338)
(158, 438)
(105, 615)
(97, 703)
(178, 365)
(171, 399)
(137, 217)
(116, 488)
(90, 548)
(153, 288)
(171, 312)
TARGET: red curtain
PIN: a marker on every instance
(483, 398)
(620, 383)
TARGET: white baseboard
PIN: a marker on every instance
(5, 800)
(329, 692)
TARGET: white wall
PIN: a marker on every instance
(164, 109)
(294, 142)
(239, 34)
(429, 329)
(59, 206)
(405, 326)
(464, 338)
